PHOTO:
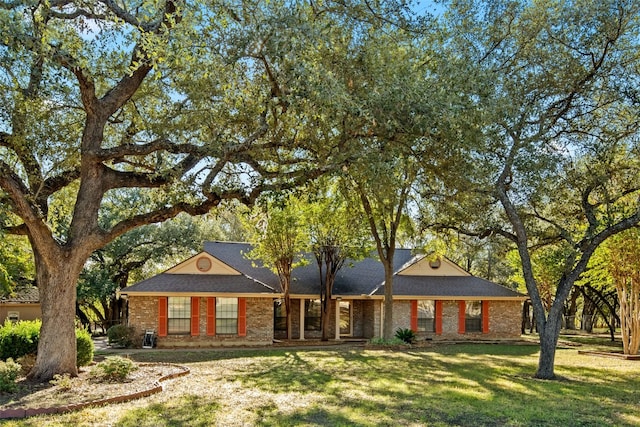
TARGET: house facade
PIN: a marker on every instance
(220, 297)
(22, 304)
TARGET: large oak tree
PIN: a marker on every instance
(187, 103)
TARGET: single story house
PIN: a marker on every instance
(22, 304)
(221, 297)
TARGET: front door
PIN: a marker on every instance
(346, 318)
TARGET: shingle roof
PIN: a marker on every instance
(199, 283)
(356, 278)
(235, 255)
(448, 286)
(22, 294)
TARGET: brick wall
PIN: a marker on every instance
(143, 315)
(371, 317)
(505, 318)
(449, 321)
(357, 318)
(504, 321)
(401, 315)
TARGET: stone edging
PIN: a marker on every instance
(157, 388)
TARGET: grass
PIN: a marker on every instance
(461, 384)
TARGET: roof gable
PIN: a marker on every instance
(426, 266)
(203, 263)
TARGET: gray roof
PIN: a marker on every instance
(22, 294)
(199, 283)
(236, 256)
(447, 286)
(356, 278)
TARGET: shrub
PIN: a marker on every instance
(121, 336)
(9, 371)
(381, 341)
(18, 339)
(27, 362)
(63, 382)
(84, 347)
(406, 335)
(113, 368)
(21, 339)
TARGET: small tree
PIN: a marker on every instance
(381, 190)
(624, 267)
(335, 235)
(278, 241)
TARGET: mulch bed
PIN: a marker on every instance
(37, 398)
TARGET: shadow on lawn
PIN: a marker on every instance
(187, 411)
(452, 387)
(462, 384)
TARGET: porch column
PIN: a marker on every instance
(337, 300)
(301, 319)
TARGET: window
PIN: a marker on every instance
(426, 316)
(279, 315)
(179, 315)
(203, 264)
(312, 315)
(473, 316)
(226, 316)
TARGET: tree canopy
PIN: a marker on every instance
(162, 107)
(558, 164)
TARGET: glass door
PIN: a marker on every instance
(345, 318)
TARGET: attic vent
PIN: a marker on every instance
(203, 264)
(435, 263)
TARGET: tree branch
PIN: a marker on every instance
(11, 183)
(160, 144)
(118, 95)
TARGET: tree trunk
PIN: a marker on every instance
(84, 319)
(628, 288)
(549, 333)
(114, 311)
(572, 309)
(57, 342)
(526, 317)
(325, 303)
(588, 312)
(325, 319)
(388, 332)
(287, 309)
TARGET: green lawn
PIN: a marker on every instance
(461, 384)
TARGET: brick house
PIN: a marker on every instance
(220, 297)
(22, 304)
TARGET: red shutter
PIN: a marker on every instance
(438, 317)
(162, 316)
(211, 316)
(485, 317)
(242, 317)
(195, 316)
(414, 315)
(462, 309)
